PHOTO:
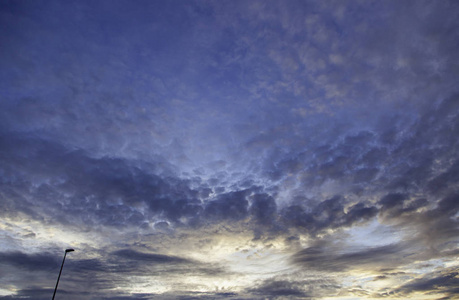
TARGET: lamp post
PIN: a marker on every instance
(55, 289)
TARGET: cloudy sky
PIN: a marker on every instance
(229, 149)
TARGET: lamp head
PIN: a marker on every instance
(69, 250)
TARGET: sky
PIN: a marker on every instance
(229, 149)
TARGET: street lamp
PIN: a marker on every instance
(55, 289)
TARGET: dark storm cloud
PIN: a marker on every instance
(99, 274)
(263, 208)
(30, 262)
(149, 257)
(96, 190)
(305, 288)
(74, 187)
(431, 225)
(325, 256)
(232, 206)
(439, 226)
(364, 157)
(394, 205)
(111, 269)
(193, 295)
(281, 289)
(100, 190)
(419, 158)
(404, 162)
(328, 214)
(445, 281)
(355, 158)
(148, 264)
(41, 269)
(445, 181)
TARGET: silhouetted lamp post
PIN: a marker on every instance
(55, 289)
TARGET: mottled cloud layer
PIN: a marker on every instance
(230, 149)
